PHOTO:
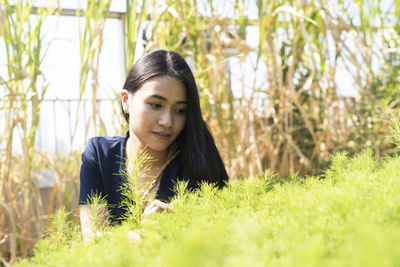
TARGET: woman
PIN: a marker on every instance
(160, 102)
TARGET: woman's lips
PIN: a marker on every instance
(161, 135)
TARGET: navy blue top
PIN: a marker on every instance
(103, 168)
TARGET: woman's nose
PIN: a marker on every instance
(165, 119)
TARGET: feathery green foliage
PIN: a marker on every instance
(60, 232)
(351, 217)
(134, 194)
(99, 213)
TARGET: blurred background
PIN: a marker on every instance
(284, 84)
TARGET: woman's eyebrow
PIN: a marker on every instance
(165, 99)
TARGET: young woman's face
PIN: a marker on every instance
(157, 112)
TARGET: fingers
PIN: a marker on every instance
(156, 206)
(160, 205)
(134, 236)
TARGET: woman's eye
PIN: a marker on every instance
(155, 105)
(181, 110)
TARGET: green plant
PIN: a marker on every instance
(61, 231)
(135, 195)
(350, 217)
(99, 214)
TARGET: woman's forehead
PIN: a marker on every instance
(166, 87)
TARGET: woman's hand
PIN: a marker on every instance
(155, 206)
(88, 225)
(134, 236)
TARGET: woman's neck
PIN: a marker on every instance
(133, 146)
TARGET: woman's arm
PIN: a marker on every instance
(89, 225)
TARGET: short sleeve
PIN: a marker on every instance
(90, 175)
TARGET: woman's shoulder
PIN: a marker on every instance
(106, 141)
(104, 146)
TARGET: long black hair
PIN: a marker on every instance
(197, 146)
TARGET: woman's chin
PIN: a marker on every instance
(157, 148)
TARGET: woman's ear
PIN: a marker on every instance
(124, 100)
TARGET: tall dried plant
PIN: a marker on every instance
(24, 87)
(290, 118)
(133, 21)
(91, 31)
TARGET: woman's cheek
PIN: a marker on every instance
(182, 122)
(142, 116)
(149, 116)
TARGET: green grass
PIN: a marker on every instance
(349, 217)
